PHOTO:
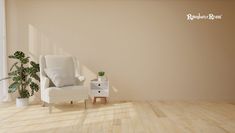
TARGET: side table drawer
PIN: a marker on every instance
(99, 92)
(96, 85)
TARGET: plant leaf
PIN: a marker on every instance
(35, 76)
(35, 65)
(16, 78)
(11, 57)
(19, 55)
(34, 87)
(13, 87)
(25, 60)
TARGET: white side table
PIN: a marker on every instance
(99, 89)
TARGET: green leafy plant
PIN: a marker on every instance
(23, 72)
(101, 73)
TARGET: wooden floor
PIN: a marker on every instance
(124, 117)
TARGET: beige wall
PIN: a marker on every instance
(148, 48)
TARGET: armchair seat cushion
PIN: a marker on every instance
(60, 94)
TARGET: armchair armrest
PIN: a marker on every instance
(44, 82)
(81, 79)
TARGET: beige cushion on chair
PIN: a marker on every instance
(65, 62)
(60, 77)
(57, 94)
(60, 70)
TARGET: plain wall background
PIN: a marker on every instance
(147, 48)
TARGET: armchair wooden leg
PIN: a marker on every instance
(50, 107)
(71, 102)
(85, 103)
(105, 100)
(94, 100)
(43, 104)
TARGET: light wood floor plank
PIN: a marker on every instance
(120, 117)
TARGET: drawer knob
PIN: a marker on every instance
(98, 91)
(98, 84)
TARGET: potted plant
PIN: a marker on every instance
(101, 76)
(23, 73)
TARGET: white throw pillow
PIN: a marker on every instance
(65, 62)
(60, 77)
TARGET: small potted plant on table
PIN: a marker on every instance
(101, 76)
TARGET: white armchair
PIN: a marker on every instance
(51, 94)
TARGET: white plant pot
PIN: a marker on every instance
(101, 78)
(22, 102)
